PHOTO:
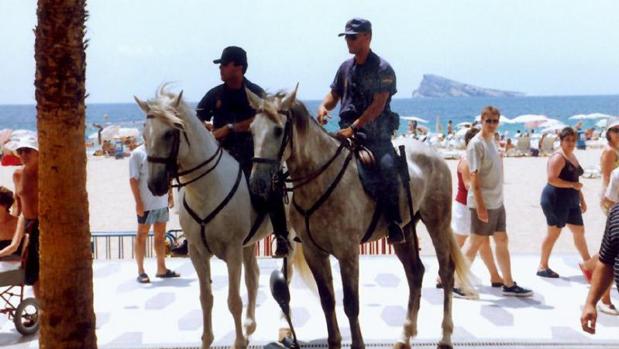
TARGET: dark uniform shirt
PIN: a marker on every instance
(356, 85)
(225, 106)
(609, 250)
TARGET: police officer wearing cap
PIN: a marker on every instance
(226, 112)
(364, 85)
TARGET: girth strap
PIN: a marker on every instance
(205, 221)
(372, 226)
(308, 213)
(255, 226)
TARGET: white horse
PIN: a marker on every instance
(334, 214)
(215, 204)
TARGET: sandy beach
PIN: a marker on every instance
(112, 207)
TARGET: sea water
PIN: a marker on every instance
(436, 110)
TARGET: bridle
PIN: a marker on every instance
(287, 138)
(171, 161)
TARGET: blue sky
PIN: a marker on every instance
(540, 47)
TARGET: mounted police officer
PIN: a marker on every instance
(226, 112)
(364, 85)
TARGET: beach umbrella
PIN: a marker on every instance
(125, 132)
(461, 132)
(592, 116)
(602, 123)
(550, 123)
(5, 135)
(414, 118)
(530, 120)
(109, 132)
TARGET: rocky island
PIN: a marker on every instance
(438, 86)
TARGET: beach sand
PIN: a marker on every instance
(112, 207)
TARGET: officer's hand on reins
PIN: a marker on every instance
(345, 133)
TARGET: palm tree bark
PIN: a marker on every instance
(66, 291)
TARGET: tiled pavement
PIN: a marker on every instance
(166, 313)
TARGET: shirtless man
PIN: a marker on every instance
(27, 198)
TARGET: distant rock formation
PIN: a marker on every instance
(438, 86)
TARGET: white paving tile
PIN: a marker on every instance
(167, 312)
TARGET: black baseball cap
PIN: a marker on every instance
(357, 26)
(233, 54)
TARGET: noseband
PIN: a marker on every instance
(287, 138)
(171, 161)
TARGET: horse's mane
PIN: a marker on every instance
(301, 117)
(163, 108)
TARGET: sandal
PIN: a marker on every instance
(586, 273)
(143, 278)
(547, 273)
(496, 284)
(608, 309)
(168, 274)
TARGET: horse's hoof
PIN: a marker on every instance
(241, 344)
(444, 346)
(250, 327)
(400, 345)
(283, 334)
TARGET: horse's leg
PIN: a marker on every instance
(252, 273)
(441, 235)
(349, 268)
(202, 264)
(321, 269)
(235, 304)
(413, 267)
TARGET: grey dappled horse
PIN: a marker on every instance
(333, 212)
(216, 214)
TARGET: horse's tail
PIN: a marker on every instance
(462, 267)
(302, 268)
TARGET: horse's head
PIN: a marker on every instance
(162, 138)
(272, 132)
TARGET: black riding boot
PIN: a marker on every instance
(277, 214)
(396, 235)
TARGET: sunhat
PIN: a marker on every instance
(23, 141)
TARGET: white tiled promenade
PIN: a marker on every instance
(166, 313)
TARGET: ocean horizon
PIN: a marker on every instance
(457, 109)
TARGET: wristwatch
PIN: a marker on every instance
(230, 127)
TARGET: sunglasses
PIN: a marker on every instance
(23, 151)
(351, 37)
(491, 121)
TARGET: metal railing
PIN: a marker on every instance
(119, 245)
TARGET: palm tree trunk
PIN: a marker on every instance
(66, 292)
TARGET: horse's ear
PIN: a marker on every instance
(254, 100)
(289, 99)
(177, 102)
(143, 105)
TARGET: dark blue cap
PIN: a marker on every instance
(357, 26)
(232, 54)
